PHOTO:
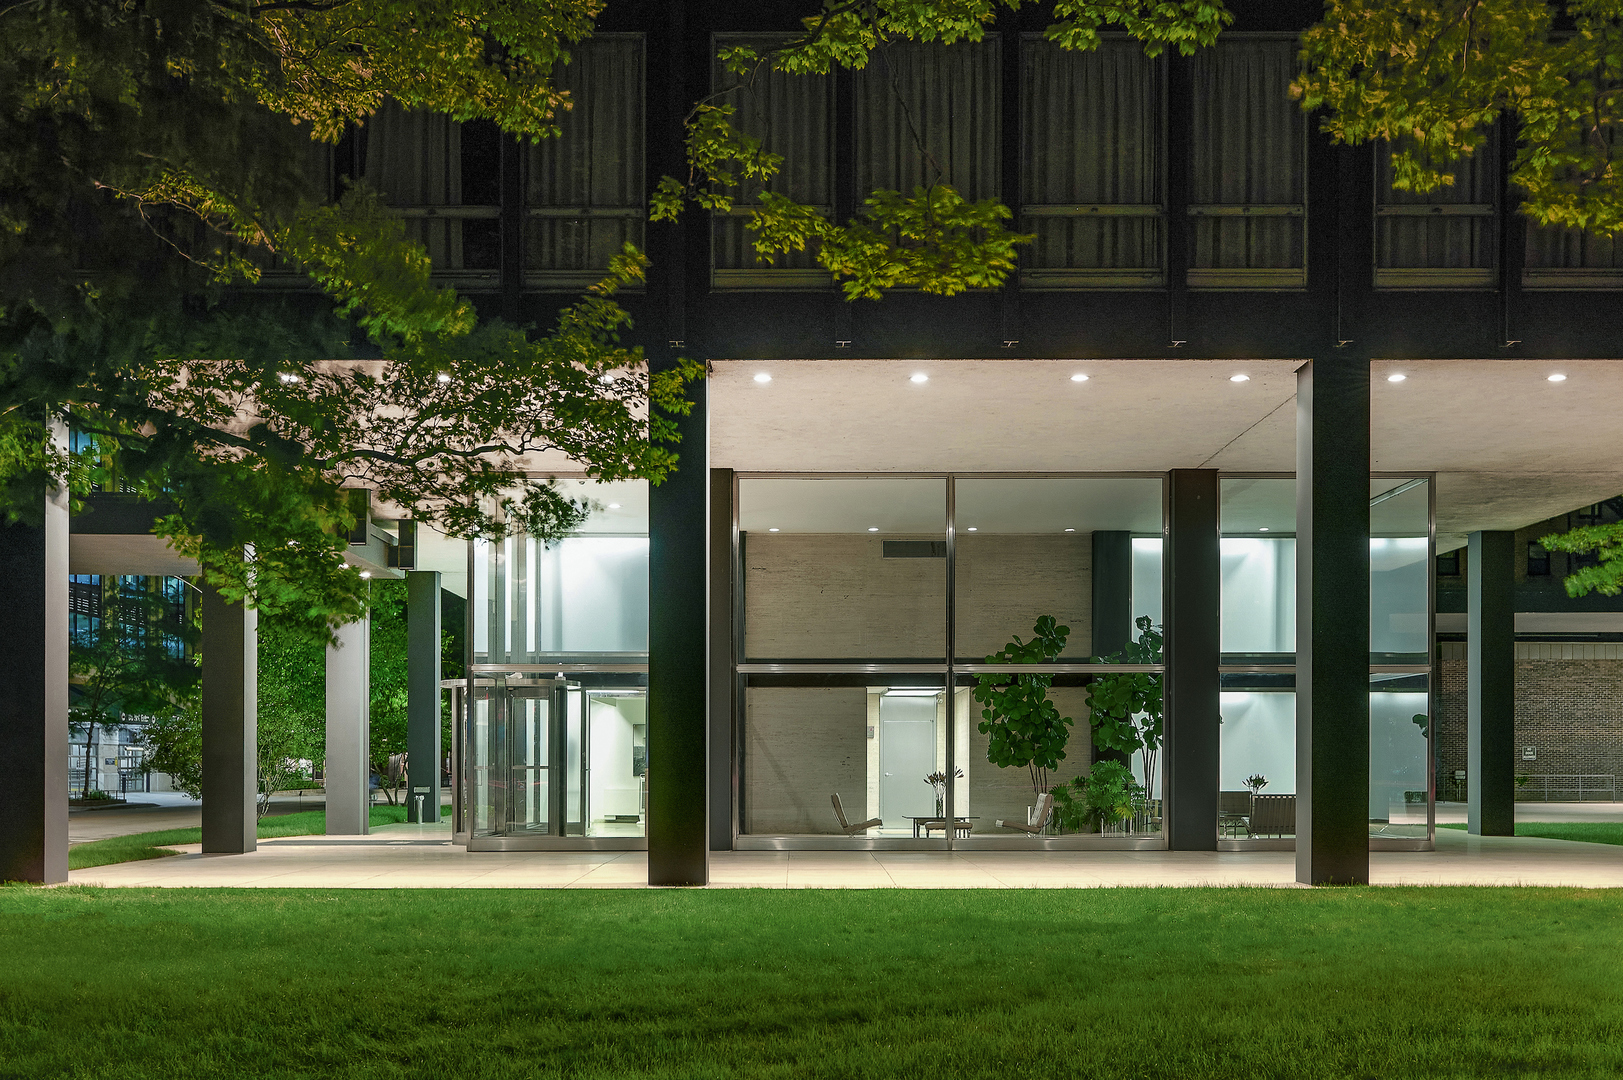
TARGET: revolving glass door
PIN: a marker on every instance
(549, 758)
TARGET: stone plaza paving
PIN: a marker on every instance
(409, 856)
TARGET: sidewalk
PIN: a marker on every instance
(413, 856)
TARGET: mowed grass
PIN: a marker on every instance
(1590, 832)
(1166, 983)
(154, 845)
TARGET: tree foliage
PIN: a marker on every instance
(1432, 77)
(1023, 728)
(1606, 542)
(1125, 709)
(932, 238)
(144, 177)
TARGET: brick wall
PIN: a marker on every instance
(1569, 707)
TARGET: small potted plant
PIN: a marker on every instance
(938, 783)
(1256, 782)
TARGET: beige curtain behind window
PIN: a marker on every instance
(415, 160)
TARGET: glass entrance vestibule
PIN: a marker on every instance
(928, 661)
(551, 724)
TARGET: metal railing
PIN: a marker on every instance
(1568, 787)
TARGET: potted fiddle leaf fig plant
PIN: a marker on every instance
(1023, 728)
(1126, 709)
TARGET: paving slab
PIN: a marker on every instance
(418, 857)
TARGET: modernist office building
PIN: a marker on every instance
(1240, 387)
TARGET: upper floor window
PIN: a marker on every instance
(792, 115)
(440, 175)
(585, 190)
(1248, 168)
(1441, 239)
(929, 114)
(1538, 560)
(1092, 160)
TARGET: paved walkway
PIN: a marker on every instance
(409, 856)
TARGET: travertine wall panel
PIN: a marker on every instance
(1006, 582)
(801, 745)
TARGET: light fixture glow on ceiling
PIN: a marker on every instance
(1070, 530)
(614, 506)
(1239, 378)
(873, 528)
(1558, 377)
(1263, 528)
(1079, 377)
(918, 377)
(773, 529)
(762, 377)
(973, 529)
(1397, 376)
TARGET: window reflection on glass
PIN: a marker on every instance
(1399, 727)
(1399, 570)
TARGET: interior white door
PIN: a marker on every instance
(906, 756)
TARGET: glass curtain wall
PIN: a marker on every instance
(1093, 158)
(434, 172)
(792, 115)
(1257, 775)
(584, 189)
(846, 587)
(556, 724)
(1248, 176)
(844, 605)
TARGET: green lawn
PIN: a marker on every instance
(1592, 832)
(1167, 983)
(150, 845)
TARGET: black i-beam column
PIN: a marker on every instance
(1491, 684)
(678, 633)
(1332, 621)
(1191, 683)
(34, 706)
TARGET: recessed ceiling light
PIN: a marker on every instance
(873, 528)
(973, 529)
(1263, 528)
(1558, 377)
(773, 529)
(1239, 378)
(1079, 377)
(762, 377)
(614, 506)
(918, 377)
(1396, 377)
(1070, 530)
